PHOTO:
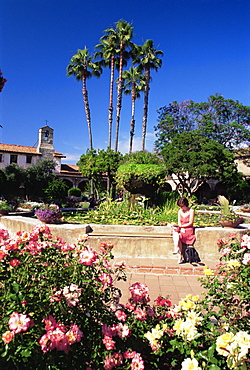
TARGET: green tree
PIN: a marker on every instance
(223, 120)
(56, 190)
(149, 59)
(38, 177)
(141, 172)
(15, 177)
(96, 164)
(82, 67)
(174, 119)
(134, 83)
(2, 183)
(191, 159)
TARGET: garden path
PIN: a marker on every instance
(164, 277)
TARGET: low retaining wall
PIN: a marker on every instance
(128, 240)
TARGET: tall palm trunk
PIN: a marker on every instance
(145, 107)
(87, 111)
(111, 92)
(119, 99)
(132, 123)
(88, 118)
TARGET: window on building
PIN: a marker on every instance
(13, 158)
(1, 157)
(28, 158)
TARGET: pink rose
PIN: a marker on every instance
(8, 336)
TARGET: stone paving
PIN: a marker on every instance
(163, 277)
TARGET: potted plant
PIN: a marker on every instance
(49, 214)
(228, 218)
(245, 208)
(4, 208)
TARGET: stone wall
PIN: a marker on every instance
(133, 241)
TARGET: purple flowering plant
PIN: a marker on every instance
(49, 213)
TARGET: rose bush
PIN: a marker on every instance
(61, 310)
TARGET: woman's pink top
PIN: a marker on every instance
(187, 234)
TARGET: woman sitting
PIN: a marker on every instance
(183, 235)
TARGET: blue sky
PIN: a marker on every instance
(205, 45)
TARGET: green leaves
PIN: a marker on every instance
(193, 158)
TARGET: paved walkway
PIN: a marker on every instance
(164, 277)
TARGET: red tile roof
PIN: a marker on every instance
(24, 149)
(70, 169)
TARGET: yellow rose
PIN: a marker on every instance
(222, 342)
(233, 264)
(208, 271)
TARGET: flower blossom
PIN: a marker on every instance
(139, 292)
(106, 247)
(120, 315)
(162, 302)
(140, 314)
(106, 279)
(72, 294)
(116, 359)
(245, 241)
(8, 336)
(4, 234)
(234, 347)
(137, 362)
(186, 329)
(123, 330)
(88, 256)
(108, 342)
(14, 262)
(233, 264)
(226, 251)
(190, 364)
(19, 322)
(154, 335)
(3, 253)
(246, 259)
(208, 272)
(57, 337)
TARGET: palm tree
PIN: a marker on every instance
(124, 33)
(147, 57)
(108, 54)
(134, 83)
(82, 67)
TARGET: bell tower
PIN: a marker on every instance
(45, 142)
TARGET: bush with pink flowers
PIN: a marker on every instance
(60, 309)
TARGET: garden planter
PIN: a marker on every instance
(45, 221)
(231, 224)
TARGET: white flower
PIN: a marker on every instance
(190, 364)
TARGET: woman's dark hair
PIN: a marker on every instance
(182, 202)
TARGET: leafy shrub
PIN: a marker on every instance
(56, 190)
(76, 192)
